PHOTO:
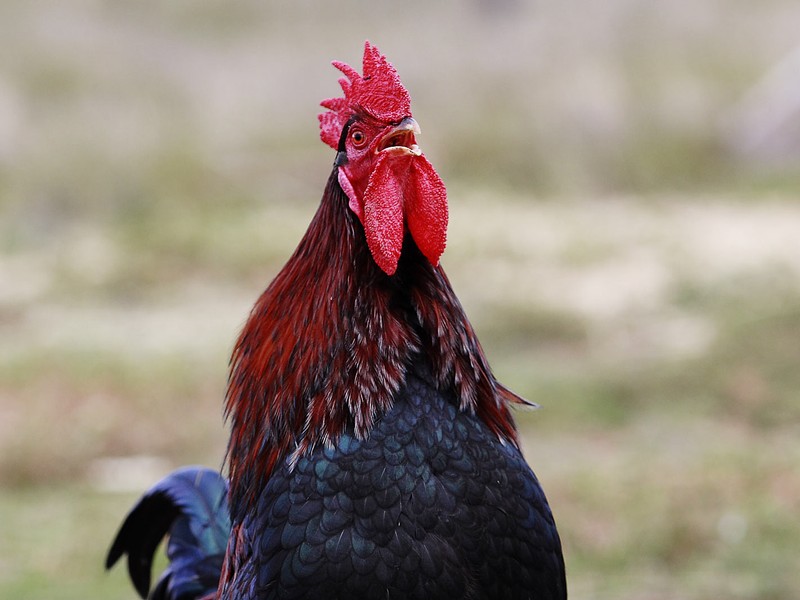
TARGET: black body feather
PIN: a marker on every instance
(432, 505)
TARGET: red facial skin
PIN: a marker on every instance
(361, 148)
(391, 186)
(392, 189)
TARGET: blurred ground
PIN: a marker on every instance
(630, 260)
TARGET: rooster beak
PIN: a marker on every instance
(402, 139)
(409, 124)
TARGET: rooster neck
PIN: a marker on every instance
(327, 346)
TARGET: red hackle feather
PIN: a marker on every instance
(315, 359)
(320, 350)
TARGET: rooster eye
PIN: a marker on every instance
(358, 137)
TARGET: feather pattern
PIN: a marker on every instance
(191, 505)
(372, 453)
(327, 346)
(432, 505)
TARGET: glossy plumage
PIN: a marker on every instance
(432, 505)
(191, 505)
(373, 454)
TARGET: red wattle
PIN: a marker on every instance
(426, 209)
(402, 190)
(383, 214)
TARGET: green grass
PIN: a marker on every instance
(54, 543)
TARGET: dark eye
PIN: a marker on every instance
(358, 137)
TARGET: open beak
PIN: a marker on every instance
(402, 138)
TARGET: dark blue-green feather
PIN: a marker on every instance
(191, 506)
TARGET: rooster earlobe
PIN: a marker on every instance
(348, 190)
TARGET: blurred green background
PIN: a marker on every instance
(625, 236)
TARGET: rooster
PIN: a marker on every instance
(372, 454)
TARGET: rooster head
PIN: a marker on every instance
(391, 186)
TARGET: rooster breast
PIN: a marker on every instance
(431, 505)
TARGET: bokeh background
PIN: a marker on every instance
(625, 236)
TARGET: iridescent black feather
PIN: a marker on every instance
(432, 506)
(191, 507)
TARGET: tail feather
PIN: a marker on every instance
(191, 505)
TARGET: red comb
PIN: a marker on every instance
(378, 93)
